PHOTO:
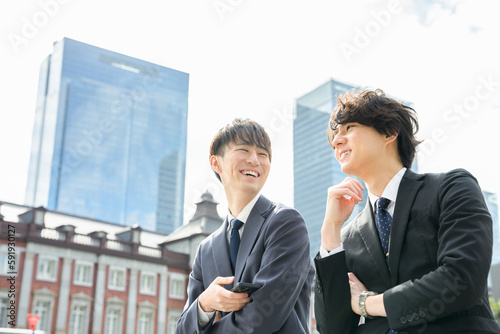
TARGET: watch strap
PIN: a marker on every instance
(362, 303)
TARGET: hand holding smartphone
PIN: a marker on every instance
(248, 288)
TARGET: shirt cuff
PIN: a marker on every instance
(324, 253)
(204, 317)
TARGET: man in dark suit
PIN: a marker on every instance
(416, 259)
(273, 249)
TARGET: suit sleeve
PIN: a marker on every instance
(464, 237)
(332, 299)
(188, 321)
(285, 269)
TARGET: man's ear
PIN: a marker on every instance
(215, 164)
(391, 138)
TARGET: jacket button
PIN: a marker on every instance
(409, 317)
(421, 314)
(403, 320)
(415, 316)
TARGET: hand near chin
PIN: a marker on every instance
(339, 205)
(341, 200)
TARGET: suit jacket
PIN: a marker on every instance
(435, 280)
(274, 252)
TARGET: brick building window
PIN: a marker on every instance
(145, 321)
(114, 319)
(47, 269)
(148, 283)
(80, 312)
(116, 280)
(83, 273)
(43, 308)
(78, 321)
(177, 286)
(173, 317)
(4, 303)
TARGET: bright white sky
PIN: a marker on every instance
(253, 58)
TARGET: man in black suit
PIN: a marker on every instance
(416, 259)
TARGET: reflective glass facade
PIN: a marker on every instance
(109, 140)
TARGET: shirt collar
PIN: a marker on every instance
(390, 191)
(243, 216)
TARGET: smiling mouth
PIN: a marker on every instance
(250, 173)
(344, 154)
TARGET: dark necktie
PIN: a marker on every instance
(384, 221)
(234, 242)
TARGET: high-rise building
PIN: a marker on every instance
(109, 139)
(315, 166)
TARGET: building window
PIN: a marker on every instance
(47, 269)
(43, 308)
(80, 312)
(145, 322)
(116, 279)
(4, 303)
(78, 319)
(4, 264)
(83, 274)
(173, 317)
(148, 283)
(113, 320)
(177, 286)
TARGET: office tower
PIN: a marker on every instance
(109, 139)
(315, 166)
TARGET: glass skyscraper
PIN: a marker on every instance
(109, 138)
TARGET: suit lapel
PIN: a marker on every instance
(369, 234)
(220, 251)
(410, 184)
(252, 228)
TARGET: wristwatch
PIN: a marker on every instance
(362, 299)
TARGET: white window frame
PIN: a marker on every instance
(147, 312)
(174, 291)
(80, 300)
(4, 303)
(111, 283)
(173, 318)
(76, 276)
(41, 275)
(4, 263)
(114, 304)
(145, 289)
(48, 297)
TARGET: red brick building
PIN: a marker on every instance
(87, 276)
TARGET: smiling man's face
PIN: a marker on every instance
(243, 167)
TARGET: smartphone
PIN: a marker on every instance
(242, 287)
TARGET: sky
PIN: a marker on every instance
(254, 58)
